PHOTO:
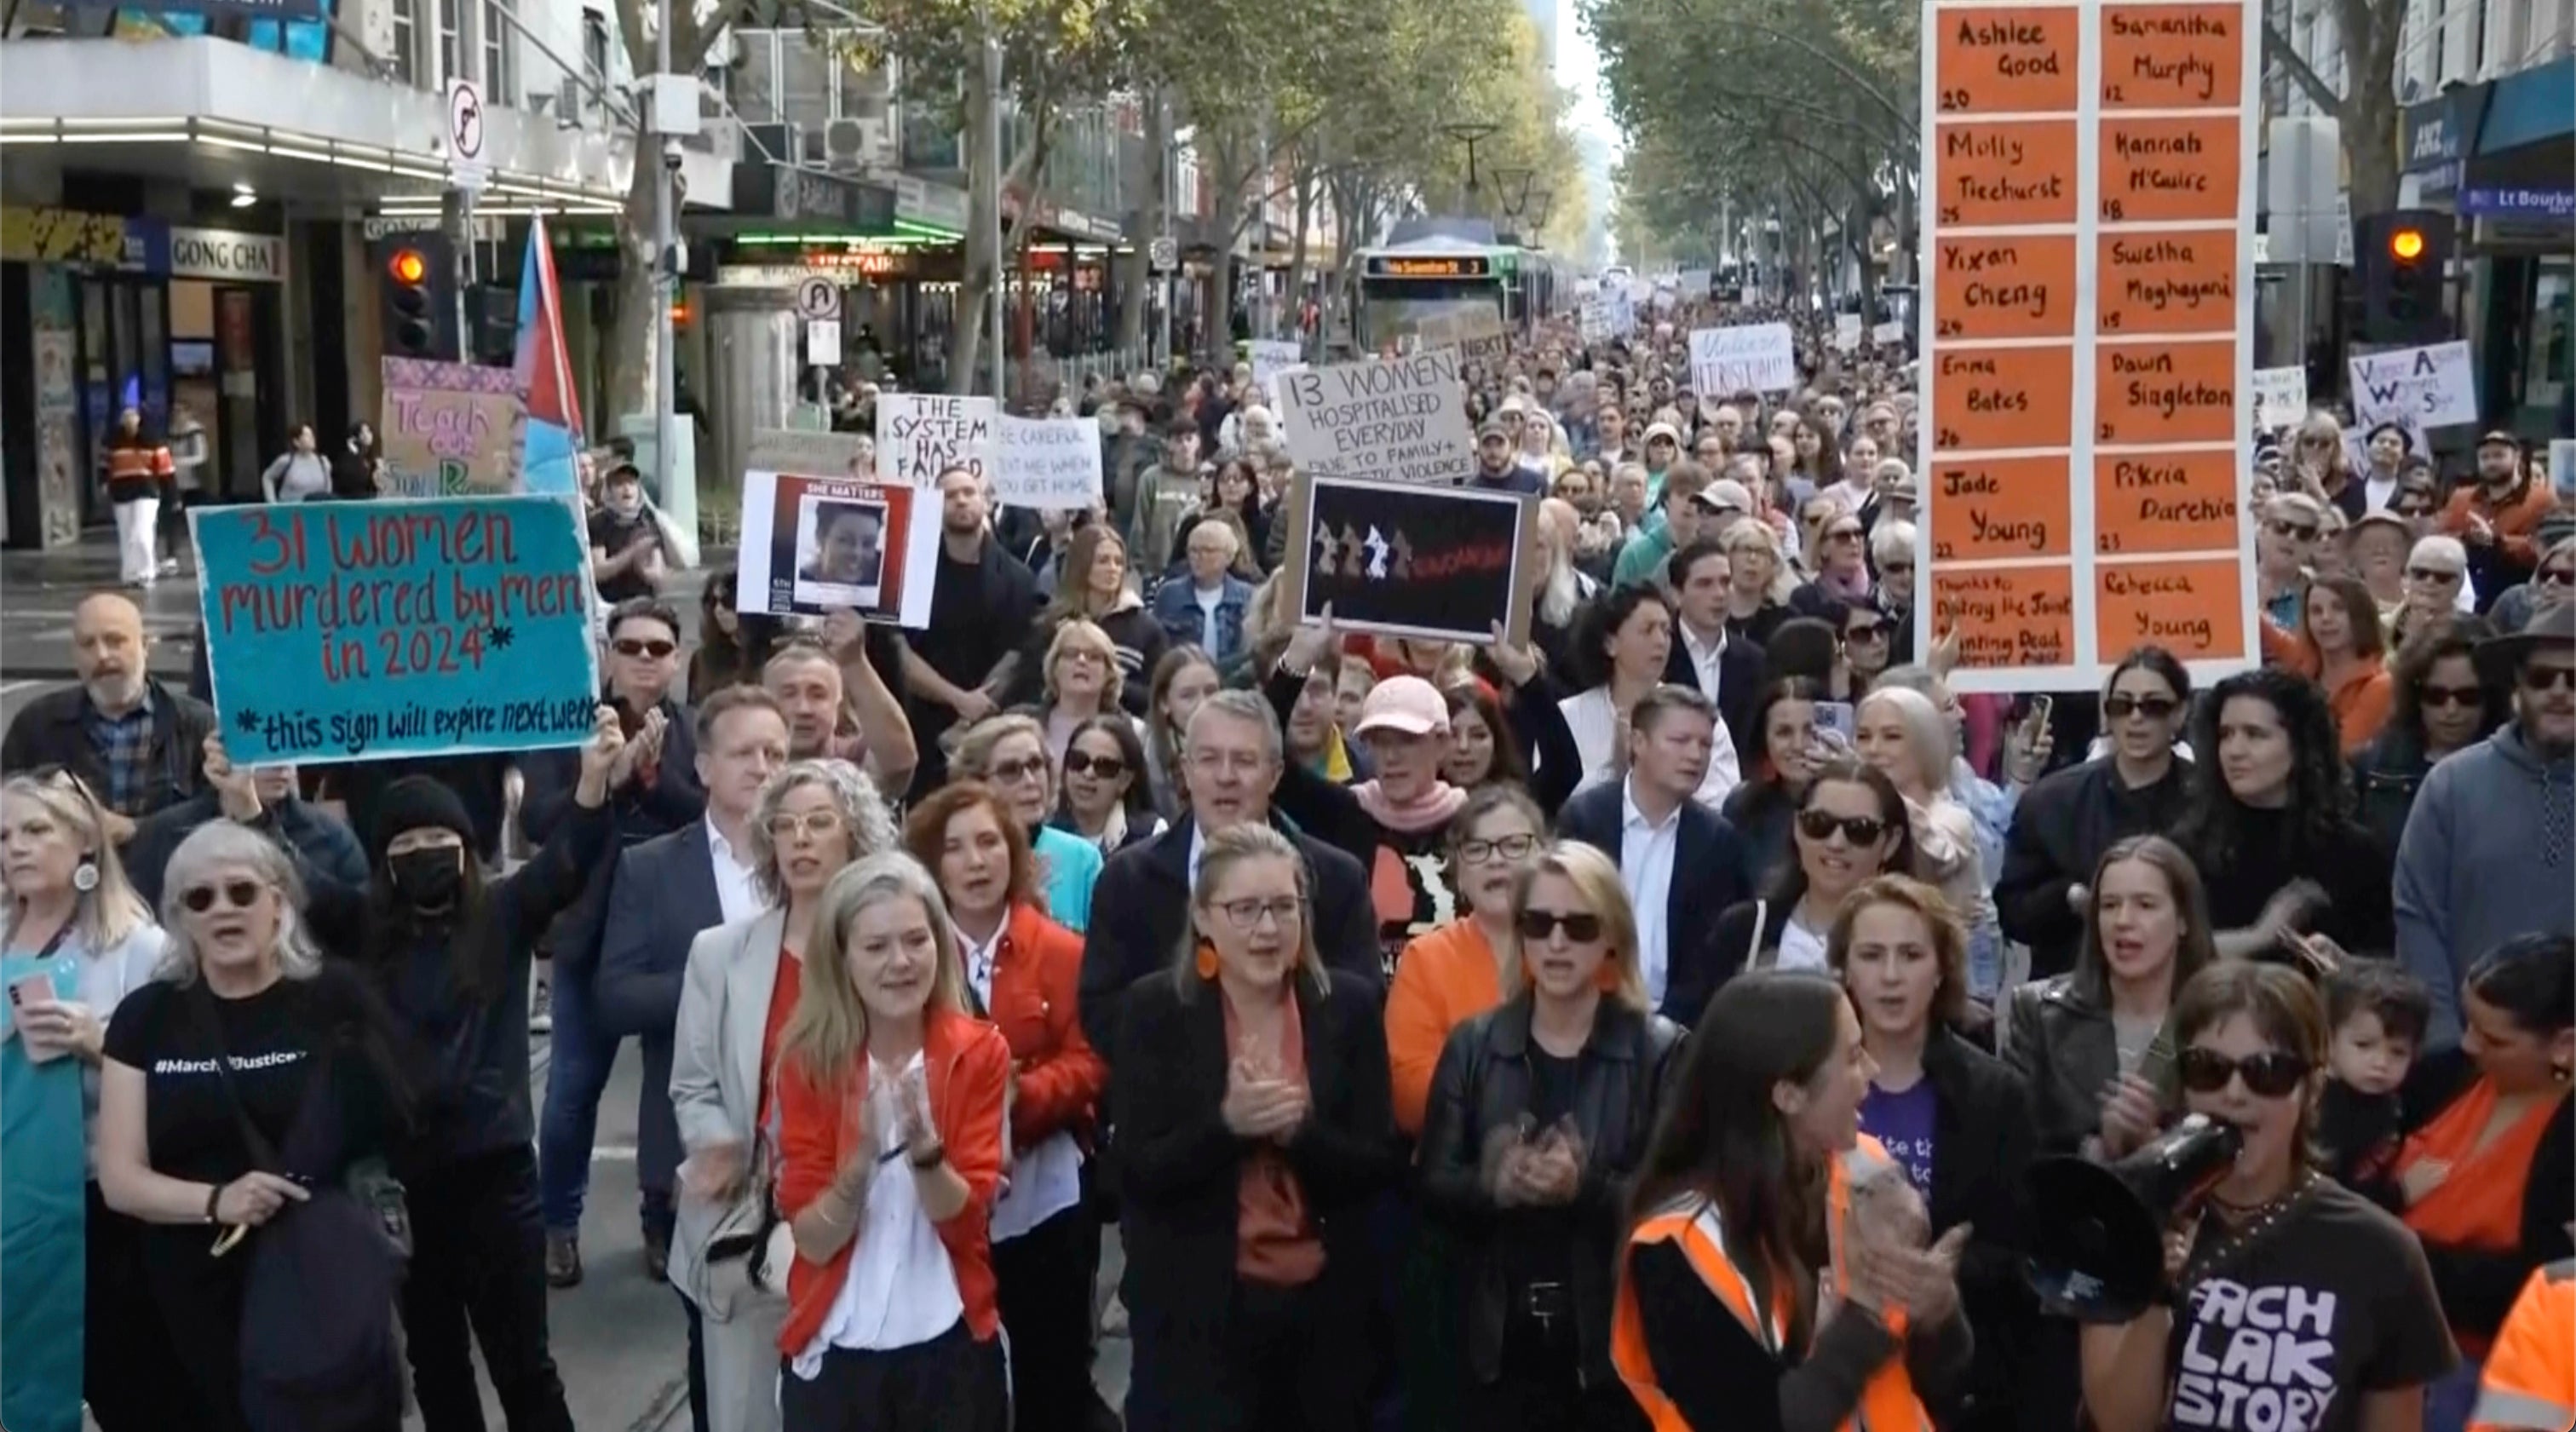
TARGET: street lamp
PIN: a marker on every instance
(1468, 132)
(1513, 189)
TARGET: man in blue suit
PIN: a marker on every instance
(662, 893)
(1682, 864)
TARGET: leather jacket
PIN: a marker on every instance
(1483, 1084)
(2063, 1045)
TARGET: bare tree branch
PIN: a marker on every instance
(2278, 50)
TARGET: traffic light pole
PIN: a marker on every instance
(666, 384)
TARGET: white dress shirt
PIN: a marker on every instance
(1704, 660)
(1646, 855)
(1594, 724)
(901, 1288)
(736, 893)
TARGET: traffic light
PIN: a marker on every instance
(491, 325)
(416, 287)
(2403, 257)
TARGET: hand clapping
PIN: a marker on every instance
(1259, 1104)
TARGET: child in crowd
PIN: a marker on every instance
(2378, 1013)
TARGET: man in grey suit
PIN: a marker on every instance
(662, 894)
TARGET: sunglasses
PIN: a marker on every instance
(2154, 708)
(2452, 696)
(1874, 631)
(1083, 763)
(2431, 576)
(656, 649)
(2268, 1075)
(1843, 534)
(2536, 677)
(2293, 531)
(1581, 928)
(1858, 829)
(236, 895)
(2557, 577)
(1033, 768)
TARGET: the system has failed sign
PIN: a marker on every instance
(337, 631)
(1398, 420)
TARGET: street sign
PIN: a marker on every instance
(818, 297)
(823, 342)
(465, 166)
(1164, 255)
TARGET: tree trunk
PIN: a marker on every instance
(967, 323)
(1139, 278)
(1297, 254)
(1216, 327)
(634, 325)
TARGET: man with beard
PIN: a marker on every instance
(2495, 516)
(136, 743)
(2487, 850)
(981, 603)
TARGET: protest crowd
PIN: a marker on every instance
(1643, 1009)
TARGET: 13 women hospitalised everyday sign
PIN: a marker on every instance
(339, 631)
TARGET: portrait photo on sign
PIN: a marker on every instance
(814, 545)
(1441, 563)
(840, 551)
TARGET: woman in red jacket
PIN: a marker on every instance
(891, 1099)
(1021, 970)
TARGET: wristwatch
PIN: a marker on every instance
(925, 1162)
(214, 1196)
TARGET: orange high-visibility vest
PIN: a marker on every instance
(2530, 1380)
(1887, 1401)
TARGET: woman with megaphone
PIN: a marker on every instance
(2292, 1302)
(1775, 1276)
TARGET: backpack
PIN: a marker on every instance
(321, 1346)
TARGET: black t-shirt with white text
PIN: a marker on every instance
(2332, 1304)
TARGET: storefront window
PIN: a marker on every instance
(2552, 350)
(500, 52)
(406, 35)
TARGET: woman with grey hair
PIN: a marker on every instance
(245, 1022)
(813, 819)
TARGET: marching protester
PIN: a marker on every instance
(1345, 963)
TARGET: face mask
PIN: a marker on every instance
(428, 878)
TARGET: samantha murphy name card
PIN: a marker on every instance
(340, 631)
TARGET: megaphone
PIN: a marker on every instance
(2097, 1250)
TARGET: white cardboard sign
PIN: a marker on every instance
(2280, 397)
(1391, 420)
(1759, 356)
(921, 435)
(2435, 386)
(1052, 464)
(1269, 356)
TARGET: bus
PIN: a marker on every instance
(1438, 271)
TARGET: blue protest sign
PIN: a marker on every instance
(340, 631)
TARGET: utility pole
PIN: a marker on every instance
(666, 271)
(993, 178)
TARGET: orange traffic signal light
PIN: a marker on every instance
(407, 266)
(2406, 244)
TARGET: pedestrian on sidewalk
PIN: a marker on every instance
(138, 464)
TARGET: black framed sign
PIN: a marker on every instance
(1442, 563)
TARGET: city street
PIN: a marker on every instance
(619, 1339)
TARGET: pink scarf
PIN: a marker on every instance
(1431, 810)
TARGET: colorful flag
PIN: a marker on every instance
(544, 369)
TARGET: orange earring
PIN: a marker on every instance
(1205, 964)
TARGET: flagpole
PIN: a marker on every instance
(666, 280)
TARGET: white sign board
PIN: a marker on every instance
(1396, 420)
(1887, 334)
(1847, 326)
(2280, 397)
(823, 342)
(1756, 356)
(2431, 387)
(1694, 283)
(1269, 356)
(921, 435)
(818, 296)
(1594, 321)
(465, 166)
(1052, 464)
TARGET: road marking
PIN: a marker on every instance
(612, 1153)
(8, 686)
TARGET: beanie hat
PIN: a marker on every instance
(416, 803)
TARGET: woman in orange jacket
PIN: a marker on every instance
(2530, 1379)
(891, 1099)
(1021, 970)
(2342, 646)
(1452, 974)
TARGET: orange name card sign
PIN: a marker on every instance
(2089, 310)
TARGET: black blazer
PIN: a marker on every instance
(1140, 909)
(1982, 1142)
(1482, 1087)
(1179, 1172)
(661, 894)
(1739, 681)
(1712, 870)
